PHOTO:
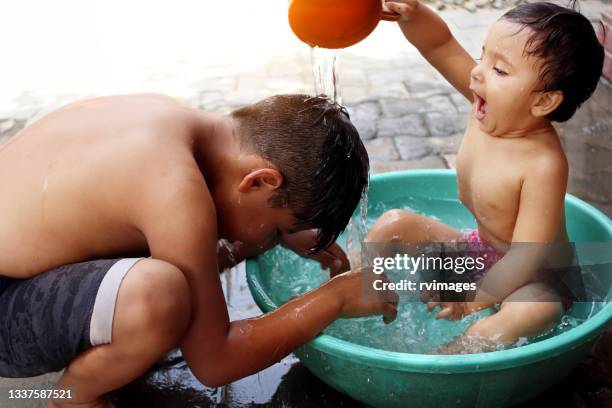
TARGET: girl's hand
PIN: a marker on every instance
(457, 310)
(405, 8)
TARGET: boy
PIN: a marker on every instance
(539, 63)
(132, 176)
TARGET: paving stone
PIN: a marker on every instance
(606, 209)
(364, 117)
(42, 382)
(210, 100)
(410, 148)
(18, 111)
(410, 125)
(389, 76)
(462, 104)
(441, 103)
(284, 84)
(223, 83)
(241, 98)
(10, 127)
(591, 189)
(450, 160)
(428, 162)
(445, 124)
(424, 89)
(382, 149)
(6, 125)
(390, 90)
(227, 109)
(354, 76)
(402, 107)
(355, 94)
(445, 144)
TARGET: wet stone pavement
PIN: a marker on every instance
(409, 118)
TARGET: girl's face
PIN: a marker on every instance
(505, 82)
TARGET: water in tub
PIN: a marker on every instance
(415, 330)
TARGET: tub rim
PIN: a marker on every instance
(448, 364)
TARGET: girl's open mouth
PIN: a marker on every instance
(481, 108)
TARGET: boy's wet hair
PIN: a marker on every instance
(318, 151)
(566, 41)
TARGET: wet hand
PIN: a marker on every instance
(359, 300)
(332, 258)
(457, 310)
(450, 310)
(405, 8)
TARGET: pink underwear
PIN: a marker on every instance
(489, 254)
(491, 257)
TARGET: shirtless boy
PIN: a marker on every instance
(539, 63)
(92, 190)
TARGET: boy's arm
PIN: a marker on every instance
(180, 228)
(333, 258)
(424, 29)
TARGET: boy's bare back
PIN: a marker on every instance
(73, 183)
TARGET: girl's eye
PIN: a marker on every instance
(499, 71)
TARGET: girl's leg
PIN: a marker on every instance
(401, 226)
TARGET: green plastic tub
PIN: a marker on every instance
(502, 378)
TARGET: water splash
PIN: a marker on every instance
(415, 330)
(226, 246)
(356, 232)
(325, 72)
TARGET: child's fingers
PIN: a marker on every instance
(333, 258)
(445, 313)
(339, 255)
(403, 8)
(335, 265)
(429, 296)
(411, 3)
(326, 259)
(389, 313)
(432, 305)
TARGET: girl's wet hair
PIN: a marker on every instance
(319, 153)
(567, 43)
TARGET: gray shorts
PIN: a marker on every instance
(47, 320)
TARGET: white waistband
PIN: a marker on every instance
(101, 327)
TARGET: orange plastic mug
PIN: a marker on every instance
(336, 23)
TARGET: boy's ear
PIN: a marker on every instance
(546, 102)
(270, 179)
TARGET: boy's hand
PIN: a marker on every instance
(332, 258)
(457, 310)
(405, 8)
(358, 300)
